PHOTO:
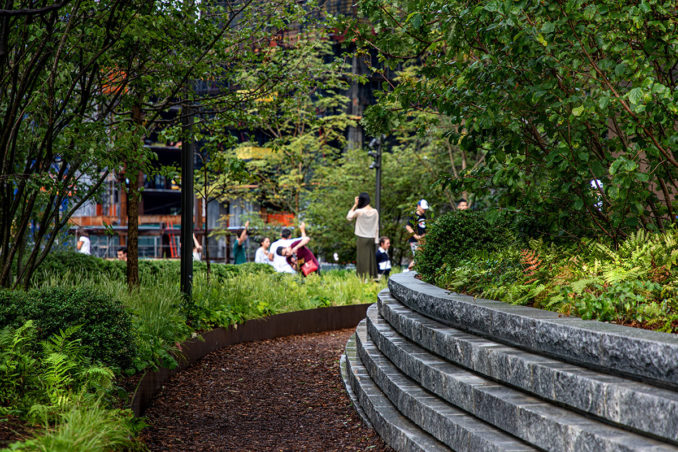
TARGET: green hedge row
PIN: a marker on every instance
(90, 266)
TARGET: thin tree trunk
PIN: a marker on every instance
(133, 198)
(133, 231)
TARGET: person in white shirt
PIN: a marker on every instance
(83, 244)
(367, 232)
(197, 249)
(280, 262)
(263, 256)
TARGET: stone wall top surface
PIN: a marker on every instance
(641, 354)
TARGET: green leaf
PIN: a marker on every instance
(548, 27)
(635, 95)
(578, 110)
(603, 102)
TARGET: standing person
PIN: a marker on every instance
(383, 260)
(239, 256)
(416, 227)
(367, 232)
(83, 244)
(299, 256)
(263, 256)
(197, 249)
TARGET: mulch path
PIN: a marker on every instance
(13, 429)
(284, 394)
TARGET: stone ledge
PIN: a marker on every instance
(543, 425)
(633, 405)
(632, 352)
(445, 422)
(396, 430)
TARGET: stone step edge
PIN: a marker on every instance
(343, 369)
(633, 352)
(396, 430)
(543, 425)
(626, 403)
(445, 422)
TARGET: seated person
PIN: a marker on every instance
(297, 254)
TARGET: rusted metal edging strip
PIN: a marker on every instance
(280, 325)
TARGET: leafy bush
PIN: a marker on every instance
(454, 237)
(106, 332)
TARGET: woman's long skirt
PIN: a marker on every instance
(366, 257)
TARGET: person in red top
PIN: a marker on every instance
(299, 256)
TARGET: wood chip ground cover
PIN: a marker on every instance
(284, 394)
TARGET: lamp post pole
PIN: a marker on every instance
(187, 202)
(376, 165)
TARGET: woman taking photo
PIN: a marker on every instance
(367, 232)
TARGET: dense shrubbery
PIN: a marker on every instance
(106, 326)
(633, 284)
(455, 236)
(92, 267)
(53, 377)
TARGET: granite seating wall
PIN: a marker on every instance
(430, 370)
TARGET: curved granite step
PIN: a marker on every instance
(633, 352)
(533, 420)
(445, 422)
(396, 430)
(637, 406)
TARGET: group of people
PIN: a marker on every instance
(286, 255)
(292, 255)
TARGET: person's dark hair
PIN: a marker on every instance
(461, 200)
(279, 251)
(83, 232)
(123, 249)
(285, 233)
(262, 240)
(382, 239)
(363, 200)
(239, 231)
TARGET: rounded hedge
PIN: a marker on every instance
(106, 332)
(453, 237)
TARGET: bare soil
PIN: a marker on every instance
(284, 394)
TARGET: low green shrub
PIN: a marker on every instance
(454, 237)
(90, 267)
(106, 332)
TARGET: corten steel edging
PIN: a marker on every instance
(280, 325)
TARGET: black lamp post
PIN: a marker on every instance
(375, 153)
(187, 149)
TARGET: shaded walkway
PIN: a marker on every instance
(277, 395)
